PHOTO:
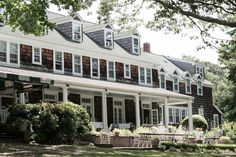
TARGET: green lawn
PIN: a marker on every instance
(84, 151)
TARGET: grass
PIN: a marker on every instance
(84, 151)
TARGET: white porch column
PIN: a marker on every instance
(65, 93)
(104, 110)
(166, 113)
(137, 112)
(190, 119)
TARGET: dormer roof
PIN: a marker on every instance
(127, 34)
(63, 19)
(97, 27)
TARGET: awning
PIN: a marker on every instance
(92, 83)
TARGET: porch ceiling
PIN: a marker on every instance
(111, 87)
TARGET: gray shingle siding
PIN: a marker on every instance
(66, 29)
(97, 36)
(125, 43)
(185, 66)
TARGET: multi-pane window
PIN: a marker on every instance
(162, 81)
(171, 115)
(3, 51)
(136, 45)
(201, 111)
(177, 115)
(183, 113)
(188, 86)
(148, 76)
(199, 70)
(37, 57)
(111, 70)
(58, 61)
(127, 71)
(14, 53)
(215, 120)
(76, 32)
(199, 87)
(176, 84)
(95, 68)
(142, 74)
(77, 64)
(108, 39)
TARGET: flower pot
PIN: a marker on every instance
(117, 134)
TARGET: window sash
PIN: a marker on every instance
(149, 76)
(37, 56)
(136, 45)
(76, 32)
(95, 72)
(127, 71)
(14, 53)
(176, 84)
(111, 70)
(188, 86)
(108, 39)
(199, 88)
(3, 51)
(58, 60)
(162, 81)
(142, 74)
(77, 64)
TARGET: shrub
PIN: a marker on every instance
(230, 130)
(225, 140)
(123, 132)
(172, 129)
(53, 123)
(198, 122)
(155, 142)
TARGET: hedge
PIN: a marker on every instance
(51, 123)
(198, 122)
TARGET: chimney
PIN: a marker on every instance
(146, 47)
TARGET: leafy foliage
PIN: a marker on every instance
(53, 123)
(198, 122)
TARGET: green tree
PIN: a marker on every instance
(171, 15)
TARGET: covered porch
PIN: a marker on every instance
(111, 102)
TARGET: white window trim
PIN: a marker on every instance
(200, 67)
(50, 92)
(76, 23)
(201, 109)
(174, 83)
(190, 92)
(114, 71)
(92, 104)
(122, 109)
(54, 62)
(201, 94)
(162, 73)
(145, 76)
(218, 122)
(91, 68)
(105, 39)
(127, 77)
(40, 53)
(134, 47)
(81, 65)
(180, 113)
(7, 63)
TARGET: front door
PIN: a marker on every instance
(154, 117)
(87, 103)
(118, 114)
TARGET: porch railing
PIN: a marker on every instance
(3, 116)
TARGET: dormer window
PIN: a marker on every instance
(188, 84)
(77, 32)
(108, 38)
(199, 70)
(136, 46)
(199, 87)
(176, 84)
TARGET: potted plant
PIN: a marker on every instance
(116, 132)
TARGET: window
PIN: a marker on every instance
(148, 76)
(127, 71)
(14, 53)
(199, 70)
(176, 84)
(3, 51)
(171, 115)
(111, 70)
(59, 64)
(95, 68)
(215, 120)
(188, 86)
(199, 87)
(201, 111)
(145, 75)
(108, 39)
(162, 81)
(87, 103)
(177, 115)
(1, 16)
(77, 33)
(77, 65)
(136, 46)
(142, 75)
(37, 57)
(183, 113)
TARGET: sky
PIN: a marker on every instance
(161, 43)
